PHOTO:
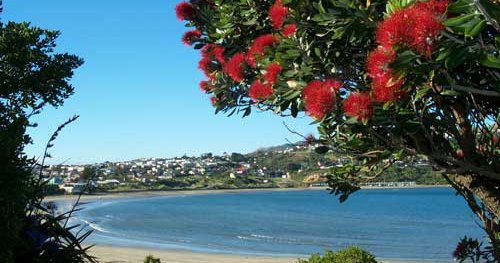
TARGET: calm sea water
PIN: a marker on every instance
(391, 223)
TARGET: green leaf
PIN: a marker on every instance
(317, 52)
(491, 61)
(450, 93)
(292, 95)
(294, 110)
(444, 53)
(404, 60)
(387, 105)
(476, 29)
(422, 92)
(460, 6)
(352, 120)
(457, 57)
(459, 20)
(290, 73)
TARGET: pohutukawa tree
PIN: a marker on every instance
(384, 81)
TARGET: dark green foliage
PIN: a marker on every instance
(32, 76)
(347, 255)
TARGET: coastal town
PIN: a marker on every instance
(282, 166)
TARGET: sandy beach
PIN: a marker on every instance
(110, 254)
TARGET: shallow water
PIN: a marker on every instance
(391, 223)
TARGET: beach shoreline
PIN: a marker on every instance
(158, 193)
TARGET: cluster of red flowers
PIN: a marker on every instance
(184, 11)
(359, 105)
(213, 58)
(210, 55)
(205, 86)
(190, 36)
(273, 70)
(260, 91)
(258, 47)
(235, 66)
(205, 65)
(277, 14)
(289, 30)
(215, 51)
(320, 96)
(416, 27)
(386, 86)
(214, 100)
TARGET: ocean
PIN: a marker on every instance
(408, 224)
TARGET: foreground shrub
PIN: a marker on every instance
(32, 76)
(347, 255)
(151, 259)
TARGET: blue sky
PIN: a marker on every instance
(137, 93)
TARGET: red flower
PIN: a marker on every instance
(235, 66)
(260, 91)
(251, 61)
(205, 65)
(438, 7)
(213, 50)
(379, 60)
(417, 26)
(385, 85)
(359, 105)
(273, 70)
(258, 47)
(190, 36)
(214, 100)
(426, 30)
(387, 88)
(289, 30)
(460, 153)
(184, 11)
(395, 29)
(319, 99)
(205, 86)
(277, 14)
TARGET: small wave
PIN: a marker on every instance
(95, 226)
(264, 238)
(261, 236)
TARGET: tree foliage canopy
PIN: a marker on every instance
(382, 80)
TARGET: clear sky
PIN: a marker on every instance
(137, 93)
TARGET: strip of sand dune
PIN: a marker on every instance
(111, 254)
